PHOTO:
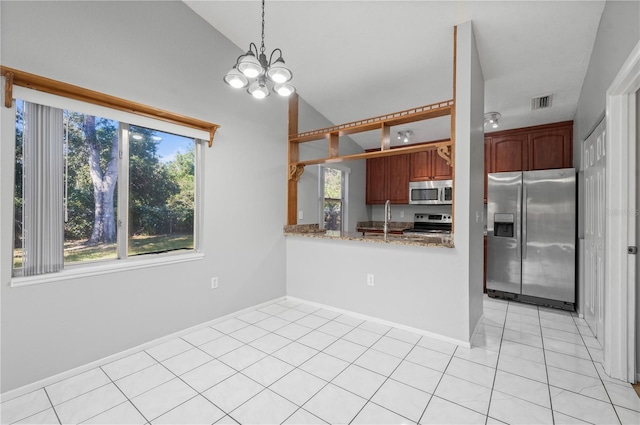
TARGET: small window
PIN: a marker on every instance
(333, 184)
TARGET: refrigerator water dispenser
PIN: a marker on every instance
(503, 225)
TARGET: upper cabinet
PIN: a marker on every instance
(428, 165)
(388, 179)
(542, 147)
(508, 153)
(550, 148)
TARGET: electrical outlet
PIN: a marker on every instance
(370, 280)
(300, 215)
(214, 282)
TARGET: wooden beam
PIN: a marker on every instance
(385, 143)
(421, 113)
(8, 89)
(47, 85)
(334, 145)
(294, 171)
(376, 154)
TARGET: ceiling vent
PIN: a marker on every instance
(541, 102)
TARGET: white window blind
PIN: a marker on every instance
(43, 98)
(43, 190)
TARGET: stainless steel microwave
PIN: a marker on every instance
(431, 192)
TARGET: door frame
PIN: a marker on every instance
(620, 299)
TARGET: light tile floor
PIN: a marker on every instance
(293, 363)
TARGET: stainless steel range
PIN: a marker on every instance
(425, 224)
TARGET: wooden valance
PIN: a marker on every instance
(47, 85)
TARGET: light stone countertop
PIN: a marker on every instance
(313, 231)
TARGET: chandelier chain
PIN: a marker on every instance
(262, 45)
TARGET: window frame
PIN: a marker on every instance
(344, 221)
(122, 262)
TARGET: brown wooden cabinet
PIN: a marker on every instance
(541, 147)
(487, 166)
(550, 148)
(388, 178)
(508, 153)
(428, 165)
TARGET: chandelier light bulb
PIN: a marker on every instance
(258, 89)
(250, 66)
(284, 89)
(278, 72)
(236, 79)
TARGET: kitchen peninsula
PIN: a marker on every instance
(416, 286)
(314, 231)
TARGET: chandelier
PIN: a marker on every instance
(253, 70)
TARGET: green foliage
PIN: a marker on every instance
(161, 194)
(332, 183)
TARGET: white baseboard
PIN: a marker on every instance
(109, 359)
(459, 342)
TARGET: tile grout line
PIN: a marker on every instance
(125, 396)
(386, 378)
(601, 380)
(493, 384)
(546, 371)
(55, 412)
(329, 382)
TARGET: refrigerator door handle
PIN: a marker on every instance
(517, 220)
(524, 222)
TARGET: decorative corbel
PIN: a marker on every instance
(445, 153)
(212, 131)
(8, 89)
(295, 171)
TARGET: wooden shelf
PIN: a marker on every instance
(375, 154)
(421, 113)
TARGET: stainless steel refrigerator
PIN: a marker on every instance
(531, 236)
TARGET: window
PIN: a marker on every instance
(333, 205)
(90, 188)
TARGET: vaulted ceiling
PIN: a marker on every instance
(358, 59)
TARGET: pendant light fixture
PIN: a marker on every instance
(253, 70)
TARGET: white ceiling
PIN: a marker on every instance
(359, 59)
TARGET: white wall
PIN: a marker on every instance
(161, 54)
(469, 171)
(618, 33)
(438, 290)
(637, 237)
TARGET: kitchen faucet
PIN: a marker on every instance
(387, 217)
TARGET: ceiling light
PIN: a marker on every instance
(404, 135)
(253, 70)
(492, 119)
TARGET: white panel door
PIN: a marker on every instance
(594, 176)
